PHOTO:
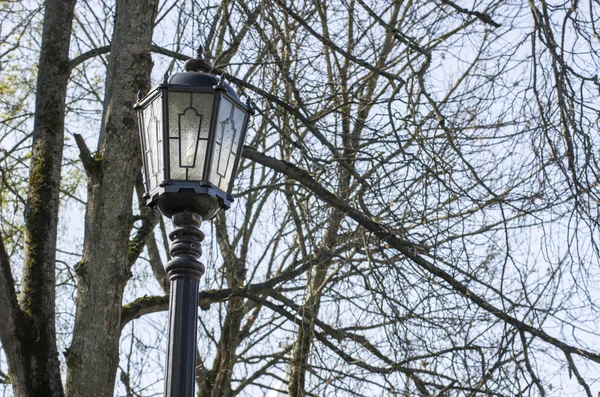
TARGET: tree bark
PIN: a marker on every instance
(28, 330)
(104, 269)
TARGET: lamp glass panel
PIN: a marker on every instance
(230, 122)
(189, 123)
(153, 142)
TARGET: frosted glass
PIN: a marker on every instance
(225, 108)
(195, 173)
(189, 131)
(153, 142)
(228, 133)
(189, 124)
(228, 130)
(233, 146)
(177, 172)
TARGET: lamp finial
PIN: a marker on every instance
(198, 64)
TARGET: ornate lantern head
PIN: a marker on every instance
(192, 130)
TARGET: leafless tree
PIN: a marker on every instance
(416, 212)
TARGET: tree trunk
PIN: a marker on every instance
(104, 269)
(28, 329)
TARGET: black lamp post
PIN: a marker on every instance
(192, 130)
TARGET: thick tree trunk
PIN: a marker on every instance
(104, 269)
(28, 329)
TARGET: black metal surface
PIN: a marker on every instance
(202, 81)
(199, 64)
(205, 200)
(181, 355)
(185, 271)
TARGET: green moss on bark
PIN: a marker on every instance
(38, 221)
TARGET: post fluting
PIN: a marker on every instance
(185, 271)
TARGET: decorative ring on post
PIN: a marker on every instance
(186, 246)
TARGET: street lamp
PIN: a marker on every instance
(192, 129)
